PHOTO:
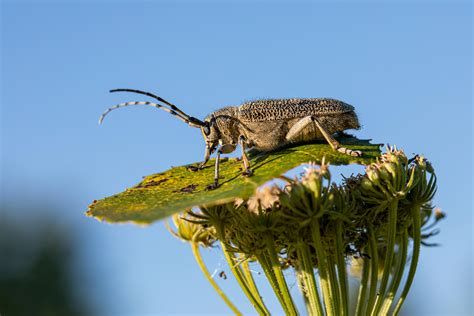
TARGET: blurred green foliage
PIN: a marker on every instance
(35, 271)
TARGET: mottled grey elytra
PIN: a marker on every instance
(265, 125)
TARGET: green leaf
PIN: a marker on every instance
(162, 194)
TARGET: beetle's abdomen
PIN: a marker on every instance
(284, 109)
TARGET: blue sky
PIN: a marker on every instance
(406, 67)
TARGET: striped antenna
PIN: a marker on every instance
(121, 105)
(173, 107)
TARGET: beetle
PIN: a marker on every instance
(265, 125)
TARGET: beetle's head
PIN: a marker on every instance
(210, 132)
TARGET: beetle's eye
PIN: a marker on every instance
(206, 130)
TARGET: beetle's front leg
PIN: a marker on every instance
(223, 149)
(216, 172)
(245, 159)
(207, 155)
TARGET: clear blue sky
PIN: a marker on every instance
(406, 67)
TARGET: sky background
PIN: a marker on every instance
(406, 67)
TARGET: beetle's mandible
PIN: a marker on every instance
(265, 125)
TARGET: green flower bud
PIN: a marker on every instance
(313, 181)
(366, 184)
(392, 168)
(191, 232)
(384, 174)
(373, 175)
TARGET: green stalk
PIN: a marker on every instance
(302, 285)
(236, 270)
(360, 308)
(334, 284)
(391, 236)
(322, 266)
(200, 262)
(397, 278)
(308, 272)
(341, 268)
(374, 268)
(416, 254)
(267, 269)
(303, 282)
(279, 274)
(251, 283)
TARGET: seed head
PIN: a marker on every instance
(189, 231)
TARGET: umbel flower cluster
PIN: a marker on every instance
(326, 233)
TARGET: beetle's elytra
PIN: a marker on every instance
(262, 124)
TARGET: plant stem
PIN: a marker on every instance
(200, 262)
(279, 274)
(415, 211)
(397, 278)
(391, 236)
(267, 269)
(334, 284)
(251, 282)
(302, 285)
(322, 266)
(261, 310)
(361, 301)
(308, 273)
(374, 267)
(341, 268)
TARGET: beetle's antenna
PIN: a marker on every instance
(172, 106)
(121, 105)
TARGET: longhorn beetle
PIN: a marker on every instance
(265, 125)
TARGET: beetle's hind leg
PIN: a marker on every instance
(245, 159)
(334, 143)
(299, 126)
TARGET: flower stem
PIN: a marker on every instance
(251, 282)
(200, 262)
(302, 285)
(361, 301)
(276, 266)
(341, 268)
(236, 270)
(397, 278)
(415, 211)
(267, 269)
(334, 284)
(374, 266)
(391, 236)
(322, 266)
(310, 282)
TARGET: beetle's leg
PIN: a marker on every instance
(223, 149)
(299, 126)
(216, 172)
(207, 155)
(201, 165)
(334, 143)
(245, 159)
